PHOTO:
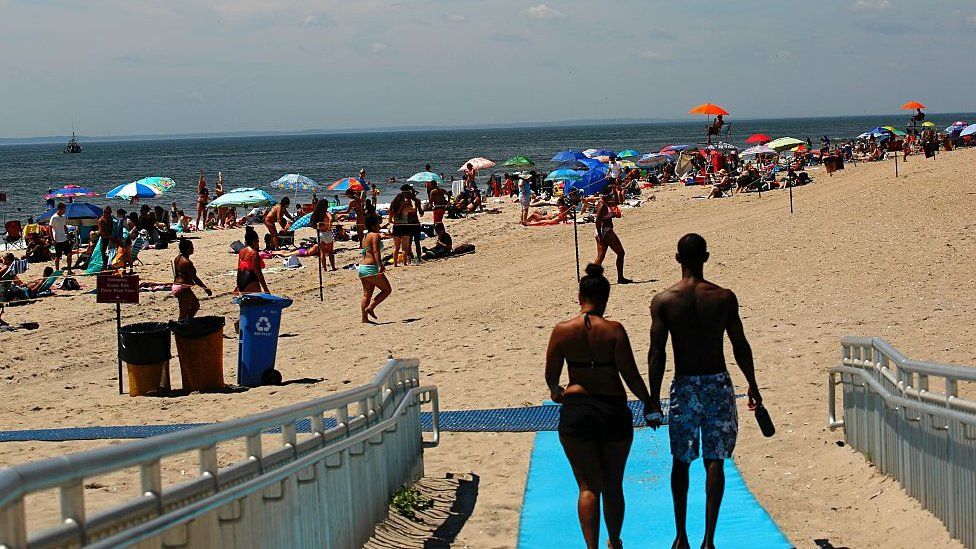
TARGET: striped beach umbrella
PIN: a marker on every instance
(295, 182)
(345, 184)
(162, 183)
(132, 190)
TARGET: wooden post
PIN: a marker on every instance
(576, 243)
(318, 243)
(118, 340)
(790, 185)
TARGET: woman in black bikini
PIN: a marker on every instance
(595, 424)
(606, 237)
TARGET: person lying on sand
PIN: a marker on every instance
(549, 218)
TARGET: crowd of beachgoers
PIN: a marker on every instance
(580, 187)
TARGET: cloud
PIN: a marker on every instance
(318, 21)
(872, 5)
(656, 56)
(543, 11)
(378, 47)
(196, 97)
(456, 18)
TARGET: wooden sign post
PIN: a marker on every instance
(118, 289)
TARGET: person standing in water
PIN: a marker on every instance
(697, 314)
(606, 238)
(372, 272)
(184, 279)
(596, 427)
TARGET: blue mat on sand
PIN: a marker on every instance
(549, 510)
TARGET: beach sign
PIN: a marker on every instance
(117, 289)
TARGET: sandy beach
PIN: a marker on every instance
(864, 253)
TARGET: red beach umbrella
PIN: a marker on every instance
(760, 138)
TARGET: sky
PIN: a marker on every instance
(124, 67)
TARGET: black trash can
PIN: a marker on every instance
(145, 348)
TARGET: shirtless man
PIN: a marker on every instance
(356, 207)
(438, 201)
(697, 314)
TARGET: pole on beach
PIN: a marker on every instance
(790, 185)
(118, 339)
(576, 243)
(318, 243)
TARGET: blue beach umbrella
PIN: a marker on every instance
(71, 191)
(424, 177)
(568, 155)
(592, 182)
(244, 197)
(302, 222)
(628, 153)
(564, 175)
(74, 210)
(603, 152)
(572, 165)
(295, 182)
(133, 190)
(592, 163)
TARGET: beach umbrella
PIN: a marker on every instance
(295, 182)
(71, 191)
(572, 165)
(568, 155)
(592, 163)
(564, 175)
(759, 138)
(602, 152)
(674, 148)
(627, 164)
(784, 143)
(161, 183)
(592, 182)
(968, 130)
(912, 105)
(655, 159)
(424, 177)
(244, 197)
(929, 124)
(345, 184)
(133, 190)
(758, 150)
(518, 162)
(590, 153)
(74, 210)
(302, 222)
(894, 131)
(478, 163)
(709, 109)
(628, 153)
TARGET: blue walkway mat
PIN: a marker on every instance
(549, 510)
(501, 420)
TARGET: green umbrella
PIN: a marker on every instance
(785, 144)
(518, 162)
(895, 131)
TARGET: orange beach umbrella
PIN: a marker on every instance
(709, 109)
(911, 105)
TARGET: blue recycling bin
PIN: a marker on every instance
(258, 339)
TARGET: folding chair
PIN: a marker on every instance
(14, 235)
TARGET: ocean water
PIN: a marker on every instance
(27, 171)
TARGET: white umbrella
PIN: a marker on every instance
(757, 150)
(478, 163)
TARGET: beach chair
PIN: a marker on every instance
(7, 280)
(13, 235)
(45, 288)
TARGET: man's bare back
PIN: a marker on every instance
(696, 314)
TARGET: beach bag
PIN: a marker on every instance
(466, 248)
(70, 284)
(292, 262)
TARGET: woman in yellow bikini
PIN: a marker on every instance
(372, 271)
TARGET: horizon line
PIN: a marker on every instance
(584, 122)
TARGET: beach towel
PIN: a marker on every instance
(95, 264)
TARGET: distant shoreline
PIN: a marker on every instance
(582, 123)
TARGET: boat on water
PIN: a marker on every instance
(73, 146)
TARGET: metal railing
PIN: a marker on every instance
(908, 419)
(327, 489)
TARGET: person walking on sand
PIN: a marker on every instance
(525, 196)
(203, 197)
(401, 210)
(697, 314)
(62, 245)
(372, 272)
(595, 425)
(606, 238)
(184, 279)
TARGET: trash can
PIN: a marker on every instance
(145, 349)
(258, 340)
(200, 344)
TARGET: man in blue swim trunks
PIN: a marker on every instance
(697, 314)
